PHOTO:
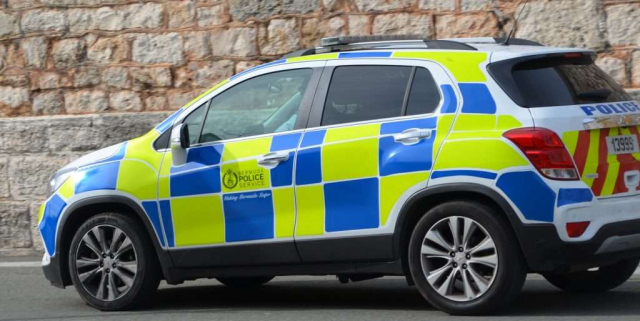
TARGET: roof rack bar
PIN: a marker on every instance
(346, 40)
(379, 42)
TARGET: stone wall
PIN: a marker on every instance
(33, 148)
(120, 60)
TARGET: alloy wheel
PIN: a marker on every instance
(106, 262)
(459, 259)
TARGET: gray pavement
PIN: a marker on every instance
(26, 295)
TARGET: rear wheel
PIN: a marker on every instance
(603, 279)
(465, 259)
(111, 265)
(245, 282)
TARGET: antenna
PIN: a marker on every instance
(515, 22)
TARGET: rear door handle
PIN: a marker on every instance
(273, 159)
(412, 136)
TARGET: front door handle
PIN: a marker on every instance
(412, 136)
(273, 159)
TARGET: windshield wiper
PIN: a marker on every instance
(596, 94)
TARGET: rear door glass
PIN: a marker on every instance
(424, 96)
(359, 93)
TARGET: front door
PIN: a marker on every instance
(232, 202)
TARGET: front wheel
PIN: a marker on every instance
(465, 259)
(112, 266)
(603, 279)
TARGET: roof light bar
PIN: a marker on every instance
(345, 40)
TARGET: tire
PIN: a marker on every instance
(245, 282)
(490, 288)
(604, 279)
(129, 265)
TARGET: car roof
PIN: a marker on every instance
(495, 47)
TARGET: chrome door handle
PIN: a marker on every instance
(273, 159)
(412, 136)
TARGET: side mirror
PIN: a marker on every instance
(179, 144)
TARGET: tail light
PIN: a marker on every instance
(576, 229)
(546, 151)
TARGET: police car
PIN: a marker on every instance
(462, 164)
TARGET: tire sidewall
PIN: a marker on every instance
(507, 252)
(143, 274)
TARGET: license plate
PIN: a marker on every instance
(625, 144)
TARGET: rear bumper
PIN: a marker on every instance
(545, 251)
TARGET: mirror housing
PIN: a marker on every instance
(179, 144)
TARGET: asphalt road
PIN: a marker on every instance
(26, 295)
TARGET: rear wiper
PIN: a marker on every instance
(596, 94)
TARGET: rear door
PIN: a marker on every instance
(371, 145)
(595, 118)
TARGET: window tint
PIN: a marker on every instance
(359, 93)
(163, 141)
(424, 96)
(194, 121)
(557, 81)
(261, 105)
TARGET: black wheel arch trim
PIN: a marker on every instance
(113, 200)
(449, 190)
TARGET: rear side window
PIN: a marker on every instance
(359, 93)
(557, 81)
(424, 96)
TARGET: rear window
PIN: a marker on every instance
(556, 81)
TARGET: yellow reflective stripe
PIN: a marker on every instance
(41, 212)
(612, 170)
(466, 122)
(570, 140)
(591, 165)
(284, 206)
(246, 148)
(67, 189)
(474, 134)
(137, 179)
(220, 84)
(506, 122)
(490, 154)
(310, 202)
(166, 164)
(198, 220)
(392, 187)
(444, 125)
(142, 148)
(314, 57)
(244, 176)
(352, 132)
(465, 66)
(349, 160)
(164, 190)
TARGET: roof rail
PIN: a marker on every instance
(352, 43)
(496, 41)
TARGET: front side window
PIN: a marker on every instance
(262, 105)
(194, 121)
